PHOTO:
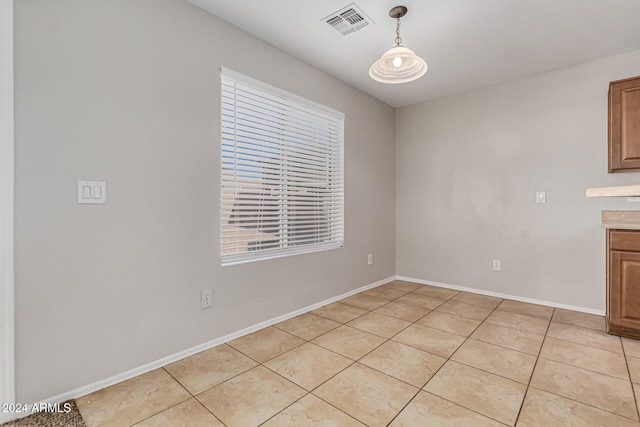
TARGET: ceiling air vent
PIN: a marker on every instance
(348, 19)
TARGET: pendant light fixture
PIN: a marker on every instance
(399, 64)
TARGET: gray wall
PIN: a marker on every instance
(468, 168)
(128, 92)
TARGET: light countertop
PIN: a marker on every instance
(625, 220)
(618, 191)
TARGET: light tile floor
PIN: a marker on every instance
(401, 354)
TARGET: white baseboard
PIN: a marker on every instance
(90, 388)
(501, 295)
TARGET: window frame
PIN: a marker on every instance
(328, 203)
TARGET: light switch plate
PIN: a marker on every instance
(541, 197)
(92, 192)
(206, 299)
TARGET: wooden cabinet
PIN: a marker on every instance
(623, 284)
(624, 125)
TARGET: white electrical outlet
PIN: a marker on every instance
(541, 197)
(206, 298)
(370, 259)
(497, 265)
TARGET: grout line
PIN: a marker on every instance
(286, 407)
(341, 323)
(191, 396)
(587, 345)
(584, 404)
(535, 365)
(633, 387)
(209, 411)
(465, 408)
(583, 368)
(404, 406)
(505, 347)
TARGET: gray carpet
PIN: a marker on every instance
(51, 419)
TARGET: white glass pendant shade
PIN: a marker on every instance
(398, 65)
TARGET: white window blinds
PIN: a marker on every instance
(282, 186)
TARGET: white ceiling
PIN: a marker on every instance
(467, 44)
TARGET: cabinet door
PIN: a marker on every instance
(624, 292)
(624, 125)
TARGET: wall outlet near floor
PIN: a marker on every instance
(497, 265)
(370, 259)
(206, 298)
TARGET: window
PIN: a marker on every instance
(282, 186)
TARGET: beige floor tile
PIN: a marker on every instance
(132, 401)
(588, 387)
(469, 311)
(307, 326)
(386, 292)
(308, 365)
(542, 409)
(434, 291)
(509, 338)
(490, 395)
(266, 343)
(585, 336)
(379, 324)
(518, 321)
(208, 368)
(189, 413)
(428, 410)
(526, 309)
(507, 363)
(364, 301)
(370, 396)
(349, 342)
(430, 340)
(477, 299)
(449, 323)
(311, 411)
(403, 311)
(250, 398)
(581, 356)
(405, 286)
(338, 312)
(579, 319)
(405, 363)
(634, 369)
(631, 347)
(421, 300)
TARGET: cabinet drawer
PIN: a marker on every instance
(624, 240)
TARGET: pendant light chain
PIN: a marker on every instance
(398, 38)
